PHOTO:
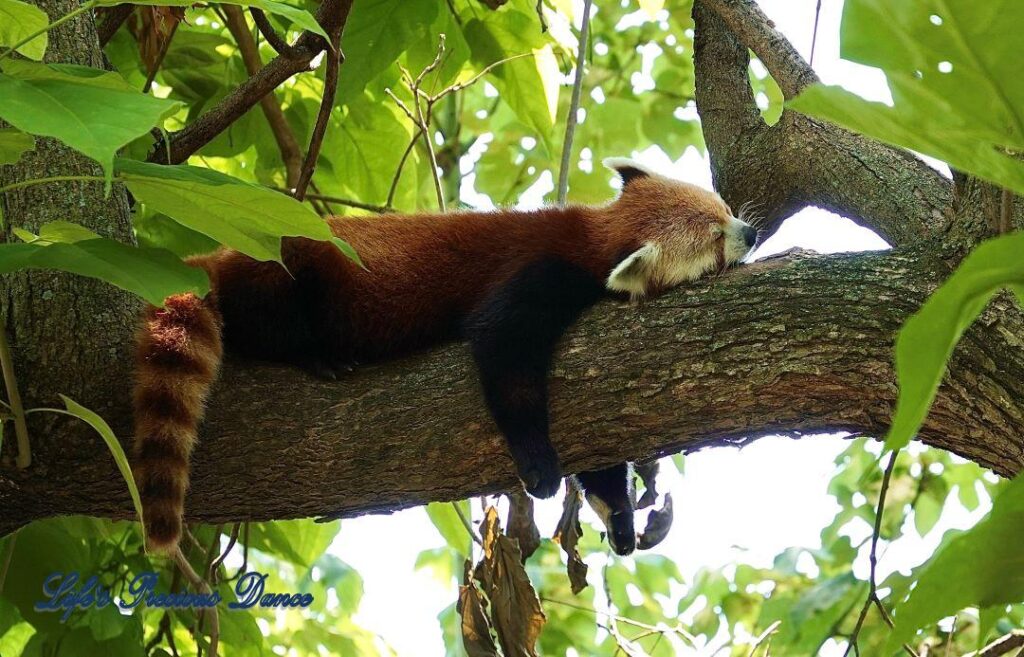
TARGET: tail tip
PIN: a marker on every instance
(163, 534)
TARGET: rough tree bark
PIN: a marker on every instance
(794, 345)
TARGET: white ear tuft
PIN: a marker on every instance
(633, 274)
(628, 170)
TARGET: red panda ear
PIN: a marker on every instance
(628, 170)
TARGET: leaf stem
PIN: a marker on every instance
(6, 563)
(24, 458)
(60, 21)
(50, 179)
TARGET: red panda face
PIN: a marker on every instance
(682, 231)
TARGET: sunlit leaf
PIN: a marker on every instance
(299, 17)
(92, 111)
(153, 274)
(14, 144)
(19, 20)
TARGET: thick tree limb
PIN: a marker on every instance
(331, 16)
(788, 346)
(799, 161)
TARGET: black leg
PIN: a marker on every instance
(610, 493)
(513, 336)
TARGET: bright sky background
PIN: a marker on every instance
(733, 504)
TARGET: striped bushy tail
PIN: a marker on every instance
(178, 354)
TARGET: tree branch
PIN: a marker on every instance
(269, 33)
(283, 135)
(332, 16)
(799, 161)
(785, 346)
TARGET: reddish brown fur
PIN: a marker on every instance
(424, 273)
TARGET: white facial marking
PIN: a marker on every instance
(736, 248)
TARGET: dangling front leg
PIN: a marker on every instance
(513, 336)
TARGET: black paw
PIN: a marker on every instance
(621, 534)
(541, 475)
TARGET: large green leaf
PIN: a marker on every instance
(153, 274)
(89, 110)
(103, 429)
(249, 218)
(953, 69)
(529, 84)
(927, 339)
(982, 567)
(302, 542)
(449, 525)
(300, 17)
(376, 33)
(18, 21)
(14, 144)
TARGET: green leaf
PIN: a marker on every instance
(300, 17)
(529, 84)
(18, 21)
(89, 110)
(249, 218)
(103, 429)
(300, 541)
(153, 274)
(952, 67)
(376, 33)
(982, 567)
(450, 526)
(14, 144)
(927, 339)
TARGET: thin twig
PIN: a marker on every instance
(468, 525)
(401, 165)
(772, 629)
(164, 47)
(287, 144)
(24, 458)
(873, 599)
(275, 40)
(334, 58)
(232, 539)
(6, 563)
(1001, 646)
(209, 613)
(574, 106)
(814, 36)
(379, 209)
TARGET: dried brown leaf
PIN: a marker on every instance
(521, 525)
(648, 473)
(476, 629)
(515, 609)
(659, 522)
(152, 26)
(568, 535)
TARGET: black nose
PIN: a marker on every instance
(750, 235)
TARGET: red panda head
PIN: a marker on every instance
(677, 231)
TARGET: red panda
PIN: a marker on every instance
(510, 282)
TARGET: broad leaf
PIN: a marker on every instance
(376, 33)
(103, 429)
(14, 144)
(89, 110)
(300, 17)
(18, 21)
(529, 84)
(982, 567)
(926, 340)
(953, 70)
(153, 274)
(449, 525)
(249, 218)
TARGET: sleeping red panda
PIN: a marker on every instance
(510, 282)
